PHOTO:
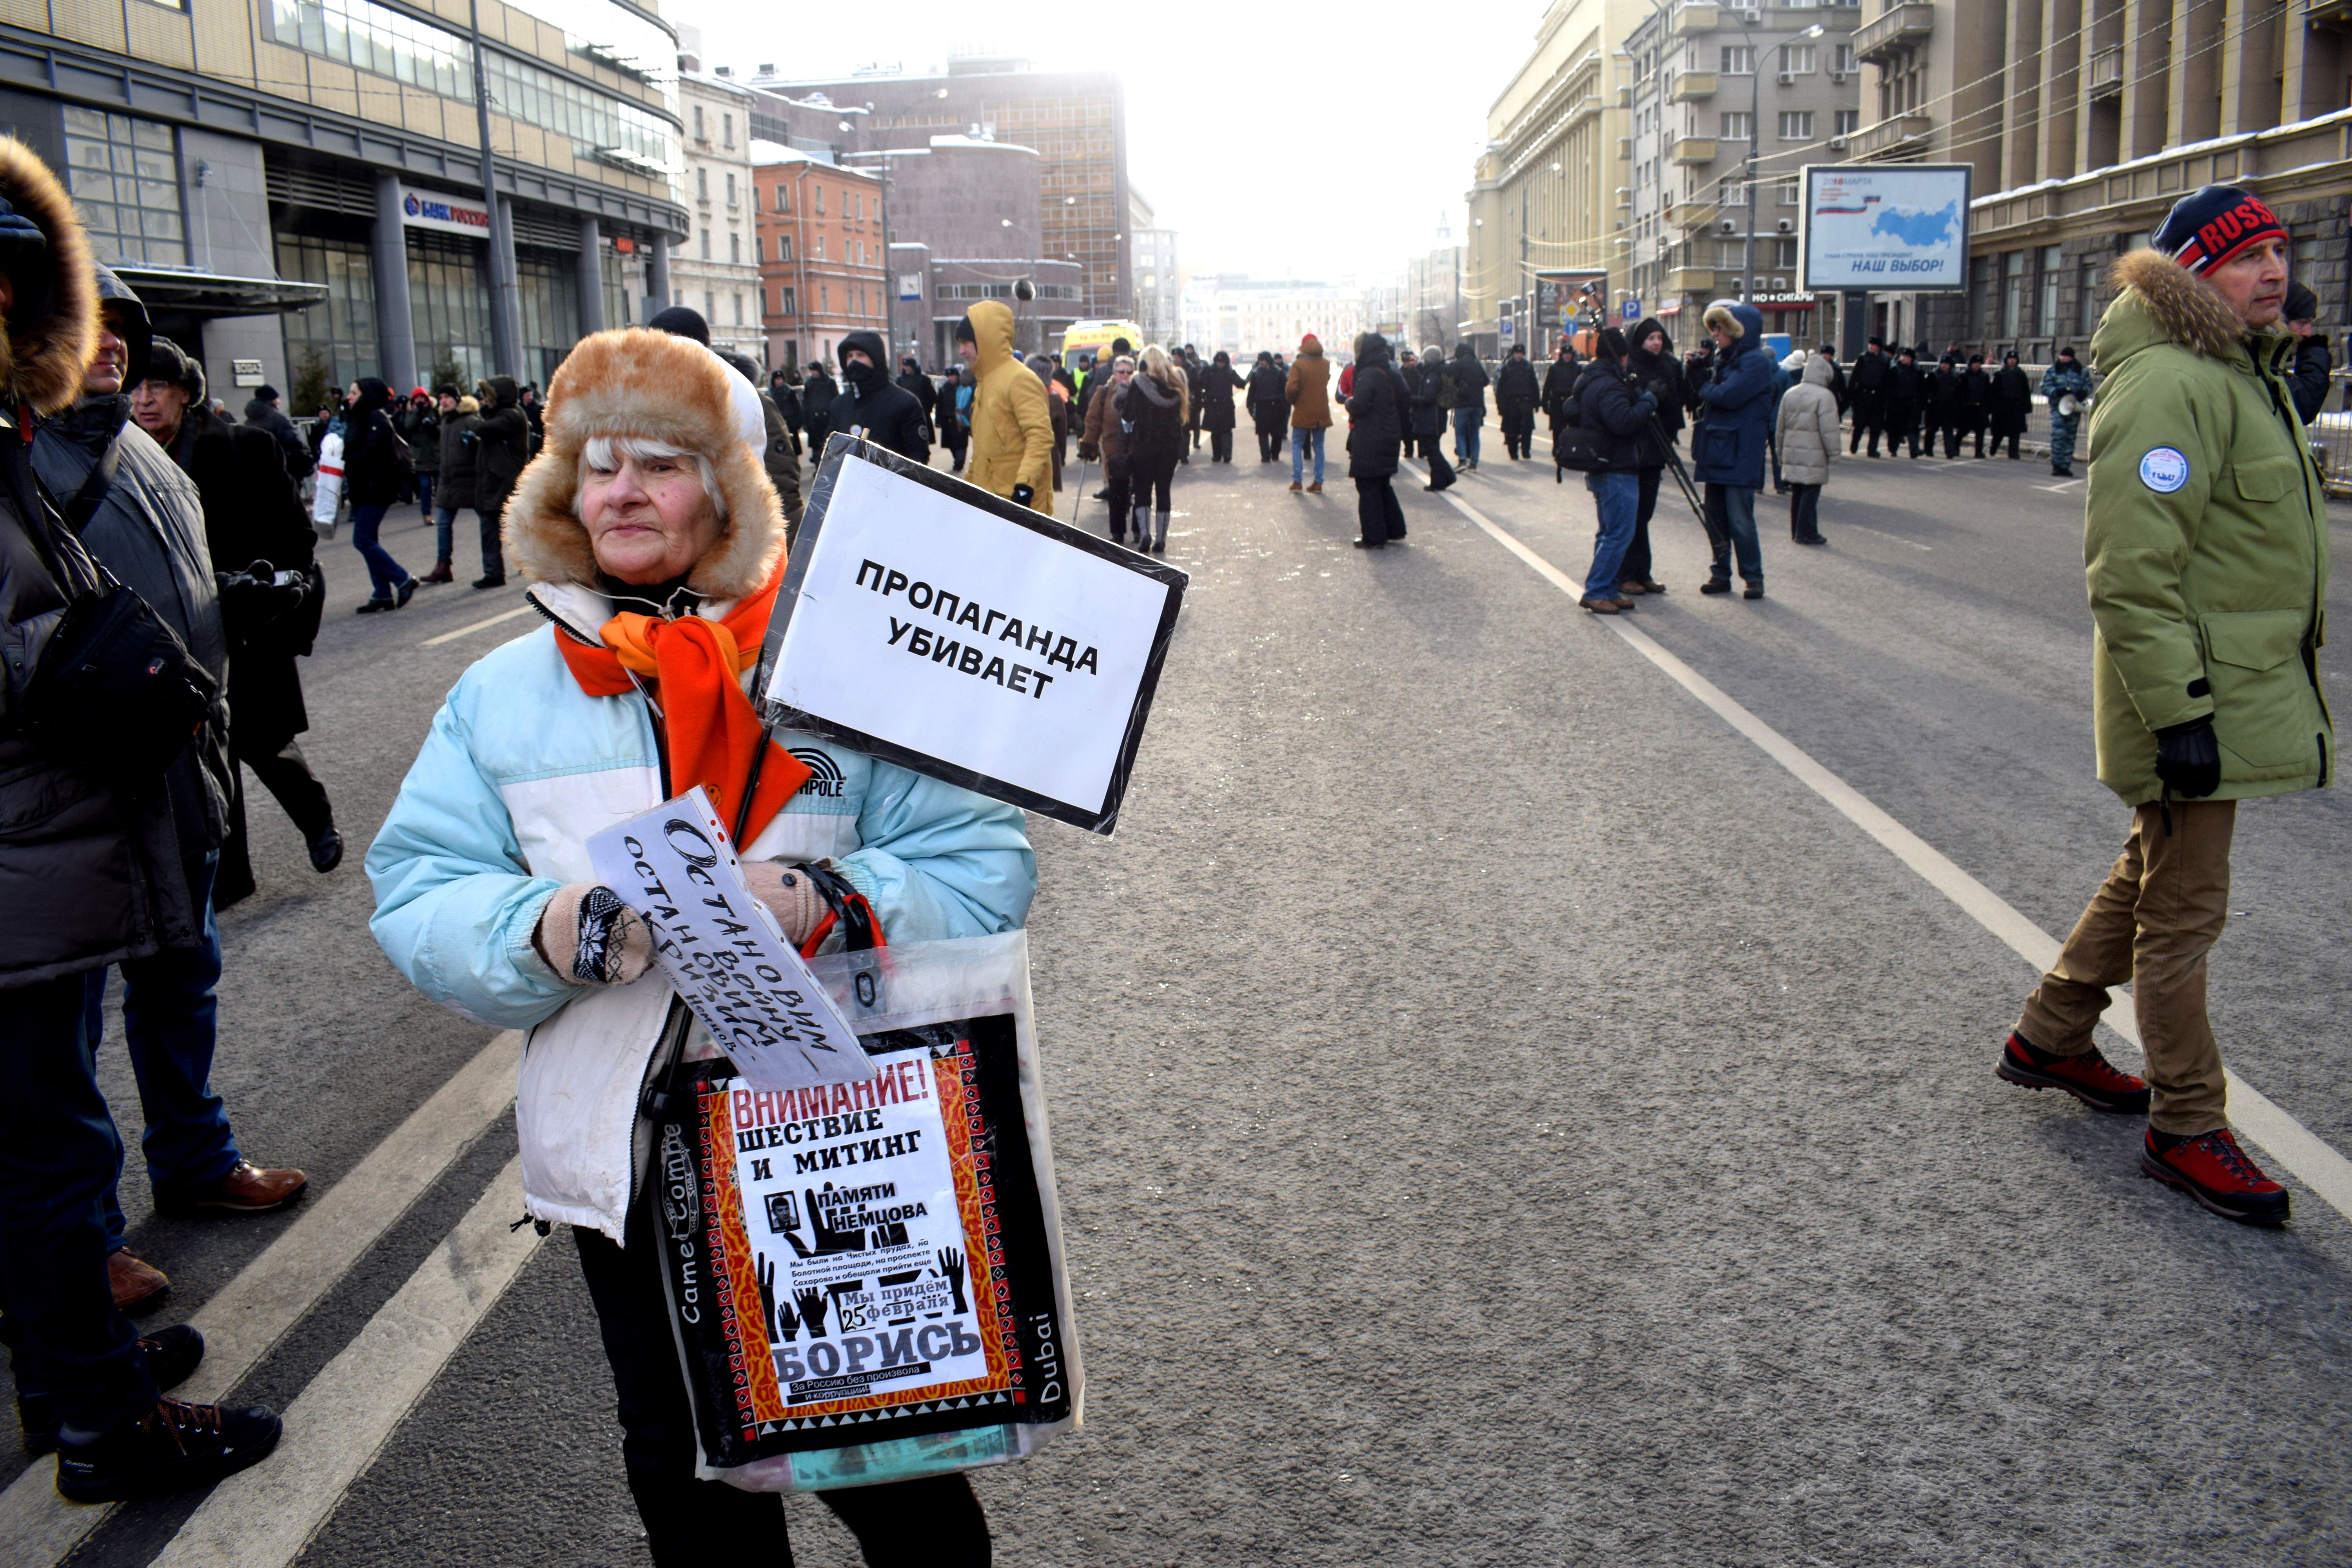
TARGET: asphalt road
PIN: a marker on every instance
(1578, 1141)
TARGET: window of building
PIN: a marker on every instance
(1737, 127)
(816, 250)
(710, 306)
(730, 190)
(449, 304)
(788, 301)
(1738, 59)
(334, 342)
(376, 38)
(739, 310)
(1796, 125)
(2052, 260)
(1799, 59)
(727, 123)
(820, 201)
(734, 247)
(783, 248)
(783, 198)
(1842, 57)
(760, 250)
(706, 242)
(124, 177)
(2012, 294)
(2087, 304)
(700, 133)
(701, 183)
(1848, 121)
(1791, 193)
(825, 298)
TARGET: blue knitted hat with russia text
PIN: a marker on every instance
(2214, 223)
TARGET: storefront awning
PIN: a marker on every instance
(192, 291)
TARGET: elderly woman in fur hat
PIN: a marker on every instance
(654, 544)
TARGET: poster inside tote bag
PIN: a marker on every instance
(866, 1279)
(924, 621)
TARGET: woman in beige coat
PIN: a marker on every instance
(1809, 445)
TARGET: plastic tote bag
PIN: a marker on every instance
(328, 495)
(866, 1279)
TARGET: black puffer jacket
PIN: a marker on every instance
(1516, 392)
(1376, 413)
(268, 416)
(1425, 383)
(2307, 378)
(871, 402)
(1154, 417)
(1268, 404)
(371, 448)
(1469, 378)
(1661, 375)
(1607, 402)
(501, 443)
(1558, 388)
(253, 513)
(1213, 387)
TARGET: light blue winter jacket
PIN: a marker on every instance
(520, 769)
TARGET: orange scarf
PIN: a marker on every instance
(697, 665)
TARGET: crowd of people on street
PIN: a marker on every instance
(158, 579)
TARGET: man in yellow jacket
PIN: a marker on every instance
(1012, 426)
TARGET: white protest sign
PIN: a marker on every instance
(722, 948)
(934, 625)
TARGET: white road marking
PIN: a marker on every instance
(477, 627)
(263, 1517)
(2311, 1160)
(2060, 488)
(254, 1310)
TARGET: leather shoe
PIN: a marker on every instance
(247, 1189)
(136, 1284)
(326, 851)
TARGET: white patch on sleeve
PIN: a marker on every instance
(2164, 470)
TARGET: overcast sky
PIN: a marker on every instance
(1312, 139)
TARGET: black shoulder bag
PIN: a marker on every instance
(116, 693)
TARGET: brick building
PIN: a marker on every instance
(820, 245)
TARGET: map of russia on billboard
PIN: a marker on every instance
(1887, 228)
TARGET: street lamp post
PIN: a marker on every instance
(1755, 90)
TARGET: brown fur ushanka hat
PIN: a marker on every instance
(634, 381)
(50, 338)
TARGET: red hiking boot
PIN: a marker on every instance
(2087, 1077)
(2212, 1169)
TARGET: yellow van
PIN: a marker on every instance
(1085, 338)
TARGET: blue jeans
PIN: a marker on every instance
(444, 522)
(1733, 509)
(169, 1015)
(59, 1157)
(1299, 441)
(1467, 423)
(424, 491)
(384, 572)
(1617, 498)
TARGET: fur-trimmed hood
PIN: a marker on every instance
(2159, 300)
(635, 381)
(49, 341)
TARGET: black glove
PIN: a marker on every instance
(251, 599)
(1022, 494)
(2188, 759)
(1646, 404)
(466, 439)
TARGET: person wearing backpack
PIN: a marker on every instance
(1613, 415)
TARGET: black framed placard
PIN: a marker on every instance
(930, 624)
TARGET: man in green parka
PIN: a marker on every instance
(2206, 545)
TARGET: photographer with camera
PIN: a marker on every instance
(106, 720)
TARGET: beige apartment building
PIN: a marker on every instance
(1551, 194)
(2084, 121)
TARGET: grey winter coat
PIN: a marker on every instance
(89, 867)
(1809, 426)
(149, 531)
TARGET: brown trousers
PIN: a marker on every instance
(2151, 923)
